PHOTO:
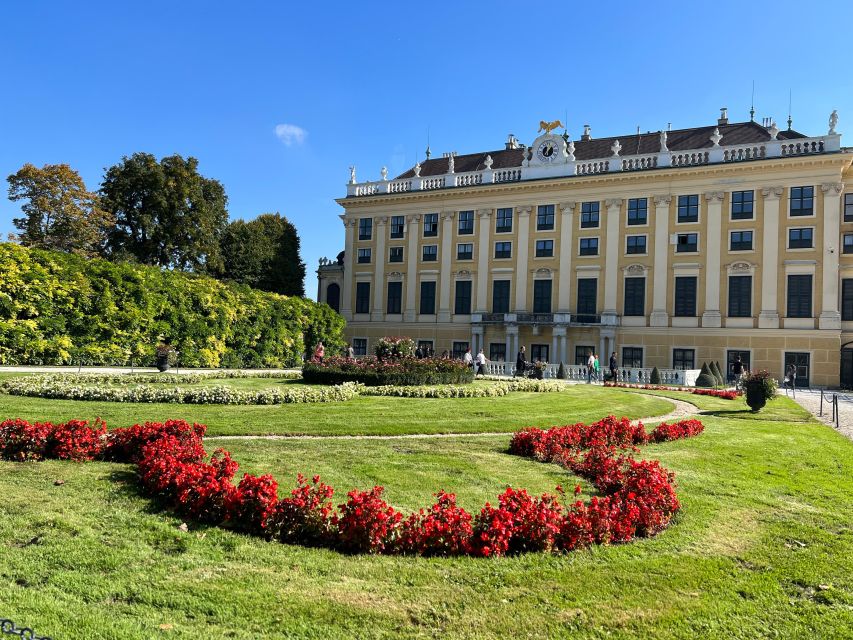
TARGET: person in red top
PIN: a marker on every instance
(319, 351)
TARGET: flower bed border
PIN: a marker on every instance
(723, 394)
(172, 465)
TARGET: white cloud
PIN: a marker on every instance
(290, 134)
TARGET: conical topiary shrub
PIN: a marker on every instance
(706, 378)
(715, 371)
(722, 375)
(655, 379)
(561, 372)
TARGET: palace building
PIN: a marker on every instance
(672, 248)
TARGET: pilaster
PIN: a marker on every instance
(712, 316)
(564, 284)
(521, 275)
(659, 316)
(379, 271)
(769, 316)
(444, 276)
(611, 260)
(484, 225)
(412, 228)
(349, 261)
(830, 318)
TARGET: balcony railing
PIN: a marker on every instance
(534, 318)
(584, 319)
(688, 158)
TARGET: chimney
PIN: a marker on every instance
(511, 142)
(586, 133)
(724, 116)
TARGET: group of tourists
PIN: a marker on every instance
(477, 363)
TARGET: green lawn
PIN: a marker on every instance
(763, 547)
(365, 415)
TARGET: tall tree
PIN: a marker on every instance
(59, 212)
(166, 213)
(264, 253)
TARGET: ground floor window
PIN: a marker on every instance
(459, 349)
(731, 356)
(801, 361)
(539, 352)
(632, 357)
(683, 358)
(582, 354)
(359, 346)
(497, 351)
(426, 348)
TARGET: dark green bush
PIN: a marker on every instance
(373, 372)
(655, 377)
(706, 378)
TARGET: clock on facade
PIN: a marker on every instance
(547, 151)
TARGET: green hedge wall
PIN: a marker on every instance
(57, 308)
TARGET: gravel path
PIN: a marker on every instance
(681, 410)
(810, 401)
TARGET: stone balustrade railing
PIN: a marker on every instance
(689, 158)
(579, 373)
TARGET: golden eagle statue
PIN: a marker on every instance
(548, 127)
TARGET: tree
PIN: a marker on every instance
(264, 253)
(166, 213)
(59, 212)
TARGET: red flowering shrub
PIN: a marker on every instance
(20, 440)
(715, 393)
(367, 523)
(253, 502)
(126, 444)
(442, 530)
(76, 440)
(306, 516)
(684, 429)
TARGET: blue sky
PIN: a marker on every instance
(363, 83)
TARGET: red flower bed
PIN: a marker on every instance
(638, 496)
(714, 393)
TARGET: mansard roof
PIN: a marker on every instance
(677, 140)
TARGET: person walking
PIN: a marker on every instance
(791, 378)
(481, 363)
(614, 367)
(350, 352)
(737, 370)
(468, 359)
(520, 362)
(319, 351)
(590, 367)
(597, 367)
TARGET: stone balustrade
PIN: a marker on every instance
(628, 375)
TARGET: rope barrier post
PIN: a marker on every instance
(835, 401)
(821, 403)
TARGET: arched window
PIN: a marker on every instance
(333, 296)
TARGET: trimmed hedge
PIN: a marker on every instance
(398, 372)
(58, 308)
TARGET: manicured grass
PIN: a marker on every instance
(763, 546)
(376, 416)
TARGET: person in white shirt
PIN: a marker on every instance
(590, 367)
(481, 363)
(468, 359)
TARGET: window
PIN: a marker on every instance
(848, 243)
(800, 296)
(465, 251)
(801, 362)
(539, 353)
(397, 226)
(847, 299)
(430, 225)
(426, 347)
(428, 298)
(545, 217)
(333, 296)
(430, 253)
(589, 215)
(683, 358)
(545, 248)
(364, 256)
(504, 221)
(463, 297)
(365, 228)
(459, 349)
(503, 249)
(589, 247)
(466, 223)
(632, 357)
(848, 207)
(635, 296)
(395, 297)
(742, 205)
(636, 244)
(688, 208)
(582, 353)
(500, 296)
(687, 243)
(740, 241)
(802, 201)
(731, 356)
(359, 346)
(362, 297)
(800, 238)
(685, 296)
(587, 299)
(638, 211)
(740, 296)
(541, 296)
(396, 254)
(497, 351)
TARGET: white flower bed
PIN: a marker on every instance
(467, 391)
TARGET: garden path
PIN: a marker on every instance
(809, 399)
(681, 410)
